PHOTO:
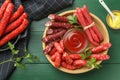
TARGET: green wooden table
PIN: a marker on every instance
(45, 71)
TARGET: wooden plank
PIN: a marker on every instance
(35, 46)
(48, 72)
(109, 71)
(95, 7)
(38, 25)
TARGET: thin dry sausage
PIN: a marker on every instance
(17, 14)
(3, 7)
(5, 18)
(16, 23)
(14, 33)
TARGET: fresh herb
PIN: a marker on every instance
(92, 62)
(72, 19)
(86, 53)
(12, 48)
(29, 57)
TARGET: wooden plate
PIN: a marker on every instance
(101, 27)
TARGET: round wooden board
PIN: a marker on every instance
(101, 27)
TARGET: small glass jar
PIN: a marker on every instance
(114, 24)
(75, 40)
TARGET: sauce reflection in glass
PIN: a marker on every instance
(75, 40)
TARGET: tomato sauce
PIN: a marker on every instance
(75, 40)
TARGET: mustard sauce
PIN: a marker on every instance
(115, 24)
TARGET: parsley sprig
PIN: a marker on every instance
(92, 61)
(72, 19)
(29, 57)
(86, 53)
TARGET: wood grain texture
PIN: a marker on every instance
(45, 71)
(48, 72)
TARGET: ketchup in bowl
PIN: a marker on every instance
(75, 40)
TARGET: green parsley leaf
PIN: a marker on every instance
(16, 64)
(18, 59)
(22, 65)
(97, 66)
(15, 51)
(28, 56)
(92, 62)
(83, 56)
(72, 19)
(29, 60)
(89, 65)
(12, 48)
(86, 53)
(35, 58)
(87, 49)
(19, 65)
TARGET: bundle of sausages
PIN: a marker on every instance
(12, 23)
(84, 18)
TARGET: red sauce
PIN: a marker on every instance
(75, 40)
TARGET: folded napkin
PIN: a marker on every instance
(36, 9)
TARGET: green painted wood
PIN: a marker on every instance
(35, 46)
(45, 71)
(94, 7)
(48, 72)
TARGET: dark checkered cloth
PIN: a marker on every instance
(36, 9)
